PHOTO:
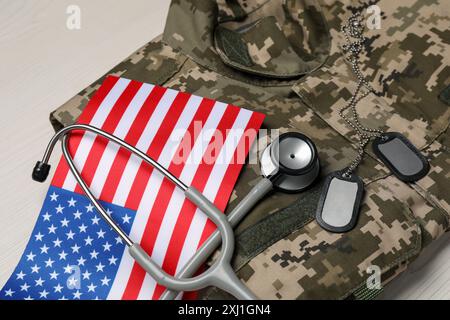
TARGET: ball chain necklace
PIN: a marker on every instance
(342, 193)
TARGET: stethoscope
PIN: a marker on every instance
(290, 164)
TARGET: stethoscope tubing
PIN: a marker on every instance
(259, 191)
(220, 274)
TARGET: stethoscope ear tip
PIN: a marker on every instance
(41, 171)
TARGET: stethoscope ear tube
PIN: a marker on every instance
(220, 274)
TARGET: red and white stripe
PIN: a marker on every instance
(161, 122)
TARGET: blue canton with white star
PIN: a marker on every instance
(72, 254)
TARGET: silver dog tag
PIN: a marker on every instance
(401, 157)
(339, 203)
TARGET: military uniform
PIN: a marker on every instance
(284, 58)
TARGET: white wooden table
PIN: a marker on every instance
(43, 64)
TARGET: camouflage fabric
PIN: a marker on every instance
(284, 58)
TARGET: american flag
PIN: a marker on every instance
(72, 253)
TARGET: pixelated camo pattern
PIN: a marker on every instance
(284, 58)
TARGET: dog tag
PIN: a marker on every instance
(401, 157)
(339, 203)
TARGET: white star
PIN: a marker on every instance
(9, 293)
(54, 196)
(82, 228)
(39, 282)
(72, 282)
(67, 269)
(126, 219)
(47, 216)
(65, 223)
(105, 281)
(70, 235)
(54, 275)
(20, 275)
(39, 236)
(43, 294)
(91, 287)
(62, 255)
(94, 254)
(112, 260)
(89, 208)
(95, 220)
(77, 214)
(100, 267)
(101, 234)
(58, 288)
(88, 241)
(86, 275)
(81, 261)
(75, 248)
(107, 246)
(35, 269)
(52, 229)
(24, 287)
(59, 209)
(77, 295)
(72, 202)
(118, 240)
(31, 256)
(49, 263)
(29, 298)
(109, 212)
(63, 298)
(57, 243)
(44, 249)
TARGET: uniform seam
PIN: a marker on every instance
(413, 187)
(437, 136)
(170, 75)
(435, 204)
(413, 221)
(432, 139)
(422, 191)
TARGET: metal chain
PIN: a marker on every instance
(353, 32)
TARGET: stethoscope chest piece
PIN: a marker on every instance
(291, 162)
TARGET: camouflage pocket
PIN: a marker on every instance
(311, 263)
(434, 190)
(328, 89)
